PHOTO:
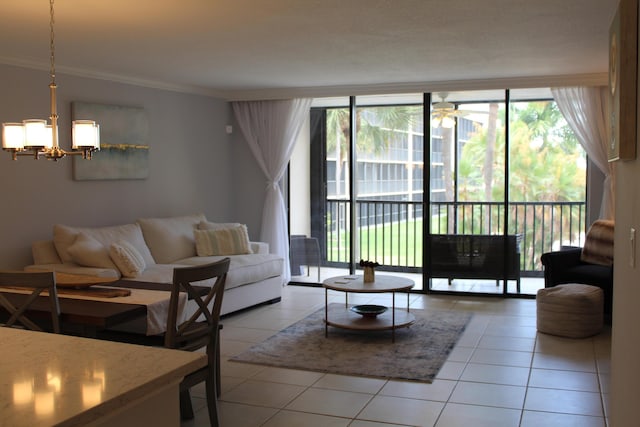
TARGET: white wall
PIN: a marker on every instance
(625, 361)
(192, 164)
(300, 182)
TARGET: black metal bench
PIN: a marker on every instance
(469, 256)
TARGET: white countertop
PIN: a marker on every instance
(48, 379)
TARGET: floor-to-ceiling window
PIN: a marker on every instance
(547, 179)
(466, 246)
(473, 220)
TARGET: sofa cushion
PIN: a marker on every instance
(159, 273)
(127, 258)
(226, 241)
(243, 269)
(170, 239)
(88, 252)
(64, 236)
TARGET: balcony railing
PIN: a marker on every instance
(390, 232)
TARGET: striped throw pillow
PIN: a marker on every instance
(225, 241)
(598, 245)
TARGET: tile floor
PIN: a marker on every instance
(501, 373)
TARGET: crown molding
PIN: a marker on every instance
(594, 79)
(117, 78)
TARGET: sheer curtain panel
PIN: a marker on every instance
(586, 111)
(271, 129)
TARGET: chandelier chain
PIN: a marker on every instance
(52, 45)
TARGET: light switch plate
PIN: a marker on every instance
(632, 248)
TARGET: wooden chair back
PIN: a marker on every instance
(37, 283)
(201, 328)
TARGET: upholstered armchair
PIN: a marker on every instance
(590, 265)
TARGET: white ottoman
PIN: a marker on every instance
(572, 310)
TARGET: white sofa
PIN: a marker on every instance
(160, 245)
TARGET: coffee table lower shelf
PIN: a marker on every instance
(346, 319)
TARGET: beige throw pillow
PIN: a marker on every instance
(128, 259)
(207, 225)
(64, 236)
(598, 245)
(89, 252)
(225, 241)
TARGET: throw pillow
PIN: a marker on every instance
(128, 259)
(170, 239)
(206, 225)
(89, 252)
(226, 241)
(598, 245)
(64, 236)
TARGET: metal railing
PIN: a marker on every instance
(390, 232)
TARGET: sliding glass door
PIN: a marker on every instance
(463, 196)
(388, 183)
(467, 188)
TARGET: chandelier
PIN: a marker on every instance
(35, 137)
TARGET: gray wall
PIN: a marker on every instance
(192, 164)
(249, 184)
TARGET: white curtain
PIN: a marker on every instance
(271, 129)
(586, 111)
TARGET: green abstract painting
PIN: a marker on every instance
(124, 147)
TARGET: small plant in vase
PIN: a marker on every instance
(369, 270)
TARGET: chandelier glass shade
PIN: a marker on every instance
(36, 137)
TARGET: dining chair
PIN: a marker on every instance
(37, 283)
(201, 329)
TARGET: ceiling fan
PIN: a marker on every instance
(443, 113)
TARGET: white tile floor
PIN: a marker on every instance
(501, 373)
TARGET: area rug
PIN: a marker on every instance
(418, 353)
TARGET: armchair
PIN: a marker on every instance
(304, 251)
(589, 265)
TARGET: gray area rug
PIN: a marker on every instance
(418, 353)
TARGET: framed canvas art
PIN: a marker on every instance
(623, 79)
(124, 146)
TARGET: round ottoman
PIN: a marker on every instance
(572, 310)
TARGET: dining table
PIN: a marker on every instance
(105, 304)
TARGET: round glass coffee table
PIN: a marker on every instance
(367, 317)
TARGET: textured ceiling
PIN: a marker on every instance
(242, 49)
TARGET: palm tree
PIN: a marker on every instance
(544, 166)
(375, 126)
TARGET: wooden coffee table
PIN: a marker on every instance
(346, 318)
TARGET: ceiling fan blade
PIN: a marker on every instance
(473, 112)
